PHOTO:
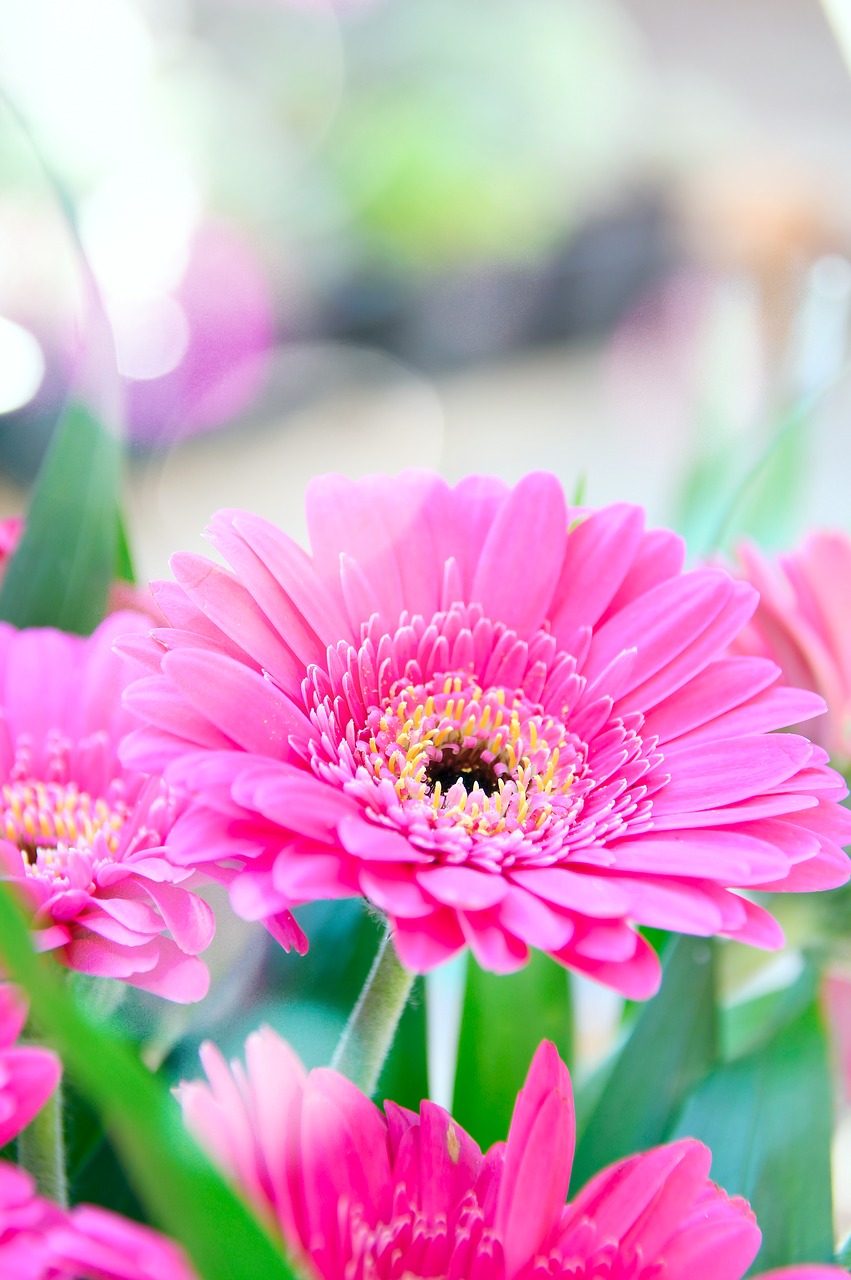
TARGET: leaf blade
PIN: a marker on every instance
(66, 560)
(185, 1195)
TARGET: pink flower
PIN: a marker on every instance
(39, 1241)
(25, 1220)
(505, 722)
(94, 1244)
(80, 836)
(803, 623)
(367, 1196)
(28, 1074)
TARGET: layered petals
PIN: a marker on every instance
(28, 1073)
(505, 722)
(357, 1193)
(81, 835)
(803, 623)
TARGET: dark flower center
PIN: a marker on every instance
(466, 765)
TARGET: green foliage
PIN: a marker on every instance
(767, 1119)
(69, 553)
(505, 1017)
(181, 1190)
(672, 1045)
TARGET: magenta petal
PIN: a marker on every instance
(189, 919)
(449, 1161)
(599, 551)
(320, 607)
(28, 1076)
(463, 887)
(538, 1158)
(374, 843)
(344, 1149)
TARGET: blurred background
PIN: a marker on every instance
(610, 238)
(606, 238)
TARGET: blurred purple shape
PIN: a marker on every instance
(227, 304)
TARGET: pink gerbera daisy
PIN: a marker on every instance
(803, 623)
(28, 1073)
(25, 1220)
(81, 836)
(505, 722)
(363, 1195)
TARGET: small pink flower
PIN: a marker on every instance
(25, 1220)
(362, 1195)
(28, 1073)
(81, 836)
(94, 1244)
(505, 722)
(803, 623)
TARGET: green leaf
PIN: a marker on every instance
(767, 1120)
(671, 1046)
(749, 1023)
(184, 1194)
(505, 1018)
(66, 560)
(124, 568)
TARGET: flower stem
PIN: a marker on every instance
(41, 1150)
(369, 1032)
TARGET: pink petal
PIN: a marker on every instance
(535, 505)
(538, 1158)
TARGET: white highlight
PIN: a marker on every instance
(21, 365)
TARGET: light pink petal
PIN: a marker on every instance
(342, 518)
(239, 702)
(284, 616)
(536, 506)
(154, 699)
(317, 603)
(598, 558)
(233, 608)
(708, 775)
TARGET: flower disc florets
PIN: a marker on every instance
(458, 733)
(505, 722)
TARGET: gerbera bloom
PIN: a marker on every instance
(94, 1244)
(369, 1196)
(28, 1073)
(40, 1241)
(81, 836)
(25, 1220)
(505, 722)
(803, 623)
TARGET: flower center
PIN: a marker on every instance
(466, 765)
(48, 819)
(479, 757)
(476, 744)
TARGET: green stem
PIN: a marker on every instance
(369, 1032)
(41, 1150)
